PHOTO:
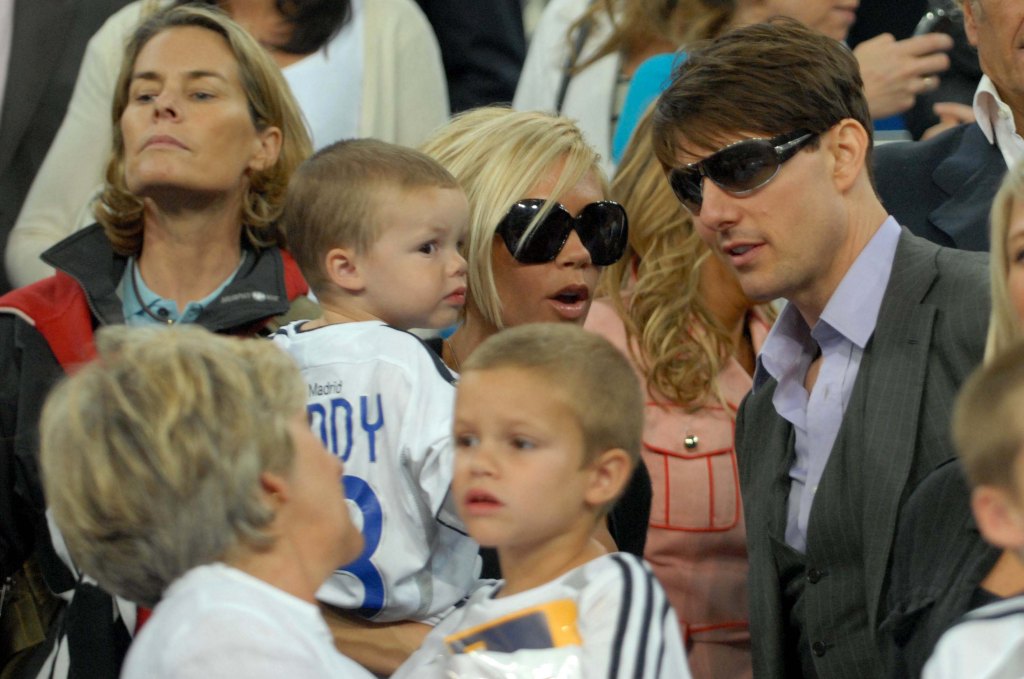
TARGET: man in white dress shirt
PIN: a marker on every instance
(942, 188)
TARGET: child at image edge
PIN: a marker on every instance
(547, 432)
(988, 430)
(376, 229)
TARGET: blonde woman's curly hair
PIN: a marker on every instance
(270, 103)
(678, 343)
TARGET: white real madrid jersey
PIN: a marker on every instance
(607, 618)
(382, 401)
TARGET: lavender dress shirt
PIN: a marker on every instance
(842, 333)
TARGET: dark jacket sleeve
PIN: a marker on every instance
(28, 371)
(935, 574)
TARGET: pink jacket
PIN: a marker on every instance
(696, 541)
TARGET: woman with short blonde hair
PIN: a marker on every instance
(270, 104)
(541, 231)
(498, 155)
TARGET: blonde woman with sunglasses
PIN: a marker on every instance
(541, 230)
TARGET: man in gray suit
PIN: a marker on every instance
(942, 188)
(767, 141)
(46, 42)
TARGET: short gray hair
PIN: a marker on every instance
(152, 454)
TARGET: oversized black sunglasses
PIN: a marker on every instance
(602, 228)
(739, 168)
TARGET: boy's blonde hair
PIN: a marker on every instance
(334, 197)
(498, 155)
(1003, 326)
(603, 391)
(988, 427)
(151, 455)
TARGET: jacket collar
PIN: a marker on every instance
(970, 176)
(256, 293)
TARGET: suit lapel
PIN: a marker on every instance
(765, 458)
(896, 371)
(970, 176)
(765, 461)
(36, 48)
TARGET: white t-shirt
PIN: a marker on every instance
(216, 621)
(328, 83)
(606, 618)
(987, 644)
(382, 401)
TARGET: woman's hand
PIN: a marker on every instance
(896, 71)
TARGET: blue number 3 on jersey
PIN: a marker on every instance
(360, 492)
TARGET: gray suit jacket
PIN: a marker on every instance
(47, 44)
(942, 189)
(929, 336)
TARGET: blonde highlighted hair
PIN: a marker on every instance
(270, 104)
(1004, 326)
(335, 195)
(151, 455)
(498, 155)
(677, 341)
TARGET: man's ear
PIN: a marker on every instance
(998, 516)
(971, 21)
(342, 267)
(848, 142)
(610, 473)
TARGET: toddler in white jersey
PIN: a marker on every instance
(376, 229)
(988, 430)
(547, 430)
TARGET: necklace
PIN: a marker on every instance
(455, 357)
(138, 298)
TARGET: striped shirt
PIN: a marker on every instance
(606, 618)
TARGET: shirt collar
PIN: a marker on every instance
(987, 105)
(136, 297)
(851, 311)
(853, 308)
